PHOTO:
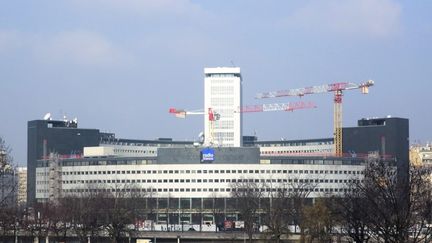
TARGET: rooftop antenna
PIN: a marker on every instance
(63, 115)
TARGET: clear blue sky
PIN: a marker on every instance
(119, 65)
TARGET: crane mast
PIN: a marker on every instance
(337, 89)
(337, 126)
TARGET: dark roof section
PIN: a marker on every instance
(290, 142)
(141, 142)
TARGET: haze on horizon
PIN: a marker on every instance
(120, 65)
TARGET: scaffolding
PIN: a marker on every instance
(54, 177)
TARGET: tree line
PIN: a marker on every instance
(374, 207)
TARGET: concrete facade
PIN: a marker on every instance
(223, 94)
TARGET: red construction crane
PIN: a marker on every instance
(337, 89)
(215, 116)
(181, 113)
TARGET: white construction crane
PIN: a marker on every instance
(214, 116)
(337, 88)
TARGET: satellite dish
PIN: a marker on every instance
(47, 116)
(201, 137)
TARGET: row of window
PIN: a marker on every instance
(299, 143)
(222, 75)
(297, 151)
(206, 181)
(208, 172)
(134, 151)
(106, 162)
(222, 101)
(198, 190)
(222, 90)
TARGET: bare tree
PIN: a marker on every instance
(247, 193)
(59, 217)
(8, 191)
(352, 218)
(8, 177)
(392, 212)
(282, 205)
(319, 221)
(85, 212)
(217, 209)
(277, 215)
(38, 222)
(299, 191)
(8, 221)
(120, 211)
(141, 209)
(350, 212)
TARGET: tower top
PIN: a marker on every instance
(221, 70)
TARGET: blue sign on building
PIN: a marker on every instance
(207, 155)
